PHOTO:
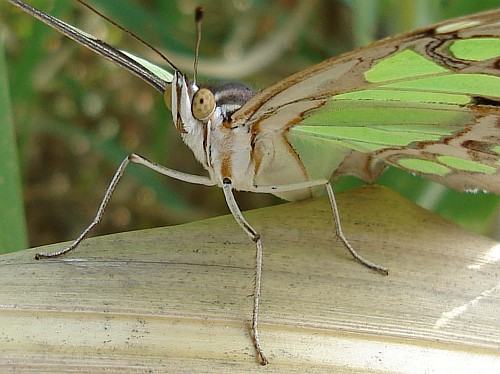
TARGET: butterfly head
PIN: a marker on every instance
(193, 106)
(179, 97)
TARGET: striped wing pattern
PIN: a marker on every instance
(427, 102)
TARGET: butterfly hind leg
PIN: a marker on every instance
(340, 234)
(335, 211)
(135, 158)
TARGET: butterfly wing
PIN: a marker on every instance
(427, 102)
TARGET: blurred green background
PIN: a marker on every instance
(75, 116)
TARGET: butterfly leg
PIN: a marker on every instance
(235, 210)
(340, 234)
(335, 211)
(112, 186)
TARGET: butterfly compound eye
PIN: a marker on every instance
(203, 104)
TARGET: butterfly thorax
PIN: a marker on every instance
(236, 150)
(202, 117)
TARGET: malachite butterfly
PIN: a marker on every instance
(426, 102)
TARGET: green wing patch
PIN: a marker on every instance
(432, 108)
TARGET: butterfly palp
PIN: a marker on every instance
(167, 97)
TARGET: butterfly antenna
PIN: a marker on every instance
(198, 17)
(136, 37)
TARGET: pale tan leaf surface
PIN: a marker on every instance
(176, 298)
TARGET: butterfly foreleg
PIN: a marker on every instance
(112, 186)
(255, 237)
